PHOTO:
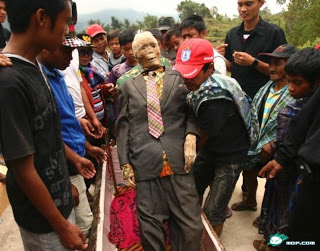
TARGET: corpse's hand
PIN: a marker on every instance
(242, 58)
(128, 174)
(189, 151)
(270, 170)
(85, 167)
(75, 195)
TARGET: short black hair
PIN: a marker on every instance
(194, 21)
(113, 34)
(126, 36)
(156, 33)
(305, 63)
(20, 11)
(174, 30)
(205, 67)
(74, 11)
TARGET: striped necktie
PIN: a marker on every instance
(153, 108)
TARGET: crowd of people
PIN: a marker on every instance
(181, 125)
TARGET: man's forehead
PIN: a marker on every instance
(246, 1)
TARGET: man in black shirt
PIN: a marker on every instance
(244, 42)
(38, 181)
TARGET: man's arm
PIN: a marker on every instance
(84, 166)
(245, 59)
(99, 129)
(33, 187)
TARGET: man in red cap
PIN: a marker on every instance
(99, 43)
(223, 115)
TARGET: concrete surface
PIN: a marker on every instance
(238, 233)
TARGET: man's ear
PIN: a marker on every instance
(261, 3)
(41, 17)
(203, 33)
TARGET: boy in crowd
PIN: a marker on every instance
(300, 150)
(174, 36)
(38, 183)
(4, 33)
(75, 142)
(195, 27)
(116, 56)
(100, 55)
(226, 133)
(269, 100)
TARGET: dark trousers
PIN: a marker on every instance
(304, 221)
(174, 199)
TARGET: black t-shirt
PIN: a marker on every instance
(228, 141)
(266, 37)
(29, 124)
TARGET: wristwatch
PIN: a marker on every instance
(255, 63)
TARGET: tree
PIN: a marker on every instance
(302, 23)
(98, 21)
(126, 23)
(150, 22)
(187, 8)
(116, 23)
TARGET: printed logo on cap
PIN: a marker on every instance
(186, 54)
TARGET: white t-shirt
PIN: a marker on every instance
(219, 62)
(73, 79)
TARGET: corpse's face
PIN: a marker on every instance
(148, 54)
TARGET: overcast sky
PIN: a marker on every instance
(163, 6)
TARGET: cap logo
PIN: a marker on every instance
(186, 54)
(87, 39)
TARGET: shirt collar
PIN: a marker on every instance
(258, 29)
(54, 73)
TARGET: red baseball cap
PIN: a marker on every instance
(95, 29)
(192, 55)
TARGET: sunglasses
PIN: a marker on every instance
(83, 53)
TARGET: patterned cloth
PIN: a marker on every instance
(93, 77)
(268, 132)
(134, 72)
(155, 122)
(219, 86)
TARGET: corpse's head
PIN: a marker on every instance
(146, 50)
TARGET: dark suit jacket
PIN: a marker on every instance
(135, 144)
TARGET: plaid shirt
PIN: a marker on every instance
(268, 132)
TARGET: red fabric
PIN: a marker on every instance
(124, 225)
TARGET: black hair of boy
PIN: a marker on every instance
(113, 34)
(126, 36)
(173, 31)
(156, 33)
(74, 11)
(20, 12)
(305, 63)
(194, 21)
